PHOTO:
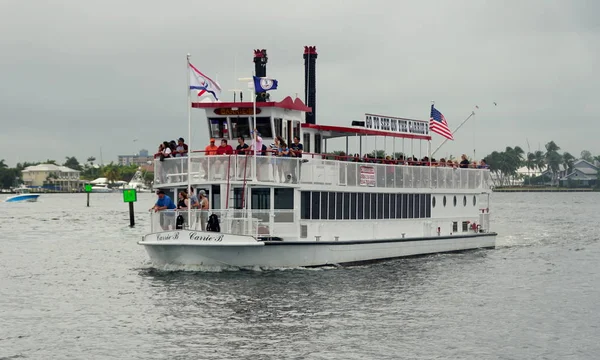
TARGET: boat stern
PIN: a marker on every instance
(183, 248)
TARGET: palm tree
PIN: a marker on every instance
(553, 160)
(568, 161)
(540, 160)
(530, 163)
(2, 164)
(551, 146)
(111, 172)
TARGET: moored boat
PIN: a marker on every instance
(316, 209)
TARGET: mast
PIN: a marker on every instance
(189, 111)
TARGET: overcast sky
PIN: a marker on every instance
(80, 76)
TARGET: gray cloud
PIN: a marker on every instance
(78, 76)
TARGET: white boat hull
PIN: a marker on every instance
(183, 248)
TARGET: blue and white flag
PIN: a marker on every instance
(264, 84)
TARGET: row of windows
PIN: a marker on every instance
(455, 201)
(322, 205)
(261, 198)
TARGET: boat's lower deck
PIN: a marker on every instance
(185, 248)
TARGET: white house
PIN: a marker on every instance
(51, 175)
(584, 174)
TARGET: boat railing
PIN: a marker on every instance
(211, 168)
(258, 223)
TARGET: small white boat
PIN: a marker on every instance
(23, 195)
(101, 188)
(137, 183)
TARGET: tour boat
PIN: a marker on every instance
(317, 210)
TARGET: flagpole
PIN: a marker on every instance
(454, 132)
(254, 127)
(189, 155)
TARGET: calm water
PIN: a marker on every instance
(75, 285)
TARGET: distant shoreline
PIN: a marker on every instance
(542, 189)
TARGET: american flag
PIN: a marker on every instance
(438, 124)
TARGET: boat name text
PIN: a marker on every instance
(193, 236)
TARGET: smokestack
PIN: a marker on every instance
(260, 70)
(310, 85)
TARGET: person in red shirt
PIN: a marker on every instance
(224, 149)
(222, 152)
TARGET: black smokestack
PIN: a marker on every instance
(310, 85)
(260, 70)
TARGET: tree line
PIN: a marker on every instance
(504, 164)
(13, 177)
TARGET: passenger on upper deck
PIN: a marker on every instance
(181, 149)
(224, 149)
(296, 150)
(242, 149)
(464, 163)
(211, 149)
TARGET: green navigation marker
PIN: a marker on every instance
(129, 195)
(88, 188)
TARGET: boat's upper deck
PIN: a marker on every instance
(314, 169)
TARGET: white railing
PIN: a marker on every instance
(259, 223)
(316, 171)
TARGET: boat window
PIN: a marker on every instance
(465, 200)
(474, 200)
(367, 206)
(339, 205)
(331, 206)
(216, 197)
(323, 205)
(373, 206)
(379, 214)
(417, 203)
(346, 206)
(315, 204)
(386, 206)
(411, 206)
(284, 198)
(393, 206)
(444, 201)
(306, 144)
(353, 205)
(277, 122)
(263, 125)
(465, 226)
(261, 198)
(240, 126)
(317, 144)
(305, 205)
(428, 208)
(424, 205)
(237, 198)
(454, 201)
(405, 206)
(433, 202)
(297, 130)
(218, 128)
(454, 226)
(398, 206)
